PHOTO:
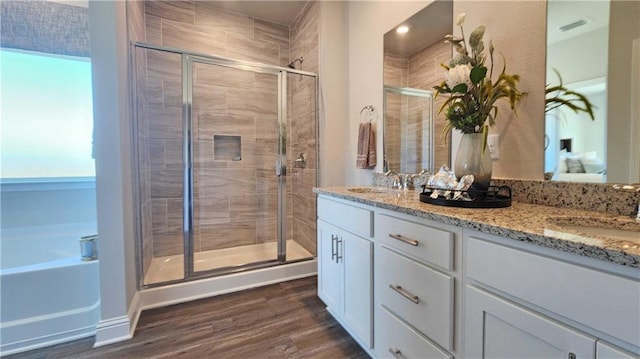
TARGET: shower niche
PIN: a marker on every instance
(217, 192)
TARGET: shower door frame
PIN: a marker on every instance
(188, 58)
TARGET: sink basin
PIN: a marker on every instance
(611, 228)
(372, 190)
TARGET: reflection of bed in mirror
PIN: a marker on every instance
(580, 167)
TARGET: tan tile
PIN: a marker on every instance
(223, 76)
(156, 154)
(267, 129)
(305, 235)
(153, 29)
(233, 234)
(244, 207)
(221, 20)
(159, 213)
(172, 93)
(154, 94)
(257, 155)
(203, 157)
(252, 103)
(166, 184)
(164, 66)
(303, 128)
(173, 155)
(266, 82)
(267, 205)
(238, 125)
(175, 212)
(266, 181)
(180, 11)
(168, 241)
(211, 210)
(271, 32)
(284, 55)
(165, 123)
(242, 48)
(193, 38)
(267, 230)
(227, 181)
(209, 98)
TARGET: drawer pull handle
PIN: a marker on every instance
(403, 292)
(403, 239)
(396, 353)
(334, 252)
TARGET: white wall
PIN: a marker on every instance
(517, 29)
(333, 95)
(113, 169)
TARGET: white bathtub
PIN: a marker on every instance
(47, 294)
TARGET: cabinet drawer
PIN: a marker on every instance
(354, 219)
(602, 301)
(419, 295)
(426, 243)
(392, 336)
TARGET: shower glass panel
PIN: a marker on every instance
(235, 149)
(226, 161)
(408, 130)
(302, 154)
(160, 164)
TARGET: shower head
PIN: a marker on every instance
(292, 64)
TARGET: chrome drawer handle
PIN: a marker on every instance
(334, 253)
(405, 240)
(405, 293)
(396, 353)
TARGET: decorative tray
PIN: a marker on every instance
(493, 197)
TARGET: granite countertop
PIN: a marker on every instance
(525, 222)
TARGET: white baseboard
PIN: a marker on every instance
(113, 330)
(188, 291)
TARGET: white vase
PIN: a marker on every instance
(472, 159)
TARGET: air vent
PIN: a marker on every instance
(573, 25)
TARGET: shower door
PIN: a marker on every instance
(237, 134)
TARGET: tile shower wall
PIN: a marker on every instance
(235, 201)
(420, 70)
(302, 135)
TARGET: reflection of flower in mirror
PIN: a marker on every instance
(469, 83)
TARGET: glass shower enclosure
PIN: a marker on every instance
(226, 157)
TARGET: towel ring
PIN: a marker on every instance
(369, 108)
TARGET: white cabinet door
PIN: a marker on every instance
(607, 351)
(356, 255)
(496, 328)
(329, 270)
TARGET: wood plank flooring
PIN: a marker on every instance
(285, 320)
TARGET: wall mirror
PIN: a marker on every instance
(594, 47)
(413, 129)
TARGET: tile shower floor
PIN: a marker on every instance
(172, 268)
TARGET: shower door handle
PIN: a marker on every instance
(281, 168)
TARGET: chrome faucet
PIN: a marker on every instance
(397, 179)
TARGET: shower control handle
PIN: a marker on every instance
(281, 168)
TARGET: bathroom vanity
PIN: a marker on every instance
(413, 280)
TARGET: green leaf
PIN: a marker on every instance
(460, 88)
(478, 73)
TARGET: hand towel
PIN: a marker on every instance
(366, 156)
(371, 159)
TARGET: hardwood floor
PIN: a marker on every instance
(285, 320)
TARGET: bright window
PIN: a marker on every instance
(46, 116)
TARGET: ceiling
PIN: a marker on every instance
(426, 27)
(280, 12)
(595, 14)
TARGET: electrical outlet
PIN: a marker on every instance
(493, 142)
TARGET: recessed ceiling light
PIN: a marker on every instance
(402, 29)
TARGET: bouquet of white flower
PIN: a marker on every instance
(471, 107)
